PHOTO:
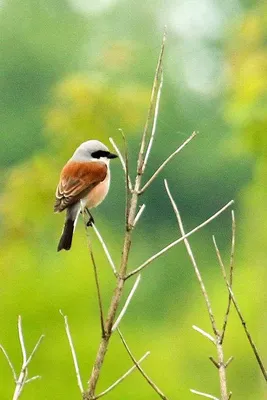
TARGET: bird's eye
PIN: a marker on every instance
(100, 153)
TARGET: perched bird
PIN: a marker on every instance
(83, 184)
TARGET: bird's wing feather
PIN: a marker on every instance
(76, 180)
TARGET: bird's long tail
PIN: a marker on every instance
(69, 226)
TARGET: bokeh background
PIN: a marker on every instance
(72, 70)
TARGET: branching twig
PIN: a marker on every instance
(22, 379)
(221, 364)
(73, 353)
(147, 378)
(251, 342)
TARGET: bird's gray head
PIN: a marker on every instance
(92, 150)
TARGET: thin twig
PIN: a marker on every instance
(154, 94)
(125, 307)
(122, 377)
(229, 361)
(214, 362)
(73, 352)
(231, 276)
(96, 278)
(21, 339)
(22, 379)
(9, 362)
(155, 121)
(122, 162)
(160, 168)
(147, 378)
(209, 396)
(252, 344)
(33, 379)
(138, 215)
(103, 244)
(127, 179)
(181, 239)
(207, 335)
(221, 369)
(193, 260)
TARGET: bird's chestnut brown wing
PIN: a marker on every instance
(76, 180)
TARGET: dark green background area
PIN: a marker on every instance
(72, 71)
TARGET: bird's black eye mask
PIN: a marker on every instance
(103, 153)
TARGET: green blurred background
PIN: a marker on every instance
(72, 70)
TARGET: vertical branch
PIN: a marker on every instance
(231, 276)
(155, 89)
(131, 214)
(220, 354)
(96, 278)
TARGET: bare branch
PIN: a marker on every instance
(149, 147)
(96, 277)
(160, 168)
(229, 361)
(252, 344)
(33, 379)
(103, 244)
(207, 335)
(22, 379)
(181, 239)
(122, 162)
(214, 362)
(128, 187)
(9, 363)
(34, 350)
(150, 382)
(154, 94)
(122, 377)
(209, 396)
(231, 276)
(73, 352)
(21, 339)
(124, 309)
(138, 215)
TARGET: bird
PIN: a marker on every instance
(83, 184)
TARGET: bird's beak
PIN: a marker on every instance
(111, 155)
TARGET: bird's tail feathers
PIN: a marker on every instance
(69, 226)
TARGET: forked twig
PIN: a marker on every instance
(22, 379)
(147, 378)
(239, 313)
(73, 353)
